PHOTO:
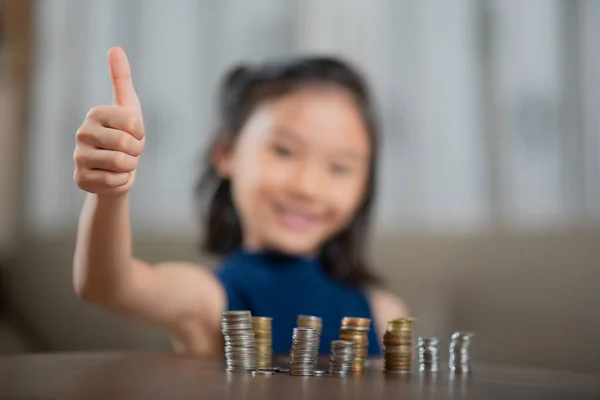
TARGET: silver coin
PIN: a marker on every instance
(304, 351)
(239, 342)
(428, 354)
(458, 354)
(262, 372)
(341, 357)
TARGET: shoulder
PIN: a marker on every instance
(385, 306)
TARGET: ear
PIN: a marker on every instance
(222, 158)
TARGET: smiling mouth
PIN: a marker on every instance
(296, 220)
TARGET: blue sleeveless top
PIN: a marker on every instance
(282, 287)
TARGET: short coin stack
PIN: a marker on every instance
(356, 330)
(263, 336)
(429, 357)
(309, 321)
(398, 345)
(305, 341)
(341, 357)
(240, 349)
(458, 360)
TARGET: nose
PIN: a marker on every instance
(306, 181)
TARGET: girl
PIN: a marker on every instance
(288, 188)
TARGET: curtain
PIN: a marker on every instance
(489, 108)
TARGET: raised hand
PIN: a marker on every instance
(111, 138)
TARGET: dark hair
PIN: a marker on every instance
(242, 90)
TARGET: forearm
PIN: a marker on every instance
(103, 259)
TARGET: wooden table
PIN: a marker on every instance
(115, 376)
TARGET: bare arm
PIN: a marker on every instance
(185, 300)
(385, 306)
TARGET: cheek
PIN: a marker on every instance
(345, 201)
(258, 177)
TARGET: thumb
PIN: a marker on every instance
(120, 75)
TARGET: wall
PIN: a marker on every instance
(15, 67)
(488, 119)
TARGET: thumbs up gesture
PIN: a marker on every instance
(111, 139)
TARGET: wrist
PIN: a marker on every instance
(110, 200)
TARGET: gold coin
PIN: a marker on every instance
(354, 338)
(354, 321)
(396, 342)
(404, 320)
(262, 319)
(355, 328)
(263, 335)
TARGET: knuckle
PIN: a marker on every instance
(79, 177)
(123, 141)
(120, 160)
(105, 179)
(94, 113)
(136, 148)
(76, 176)
(79, 157)
(83, 133)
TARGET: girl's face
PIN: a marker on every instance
(299, 170)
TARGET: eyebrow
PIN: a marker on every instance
(286, 134)
(351, 155)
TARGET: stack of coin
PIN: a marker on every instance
(459, 352)
(309, 321)
(341, 357)
(263, 336)
(397, 341)
(302, 353)
(240, 349)
(356, 330)
(429, 357)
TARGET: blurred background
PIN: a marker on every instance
(488, 215)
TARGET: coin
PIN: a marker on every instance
(458, 360)
(341, 357)
(356, 330)
(263, 339)
(239, 347)
(262, 372)
(356, 322)
(305, 344)
(311, 321)
(428, 353)
(397, 341)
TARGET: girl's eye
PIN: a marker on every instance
(339, 169)
(281, 151)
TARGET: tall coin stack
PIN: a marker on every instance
(341, 357)
(309, 321)
(429, 357)
(240, 348)
(356, 330)
(459, 352)
(397, 341)
(302, 353)
(263, 337)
